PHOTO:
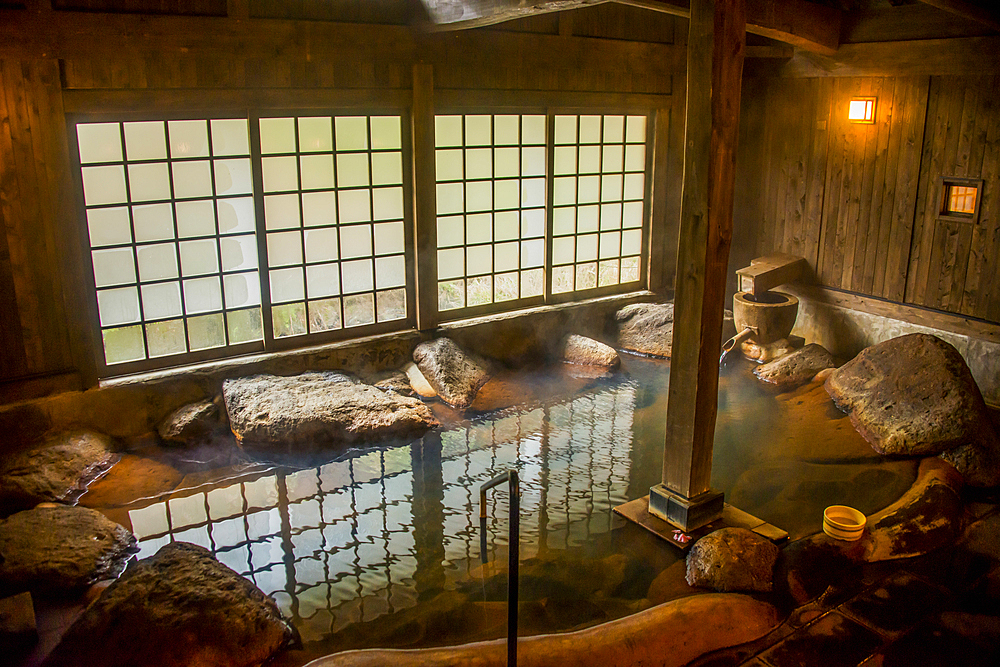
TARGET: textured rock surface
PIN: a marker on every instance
(61, 549)
(762, 353)
(978, 461)
(585, 351)
(318, 409)
(732, 559)
(418, 383)
(191, 422)
(179, 607)
(911, 395)
(57, 471)
(797, 368)
(646, 328)
(454, 375)
(395, 381)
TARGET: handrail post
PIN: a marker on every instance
(513, 549)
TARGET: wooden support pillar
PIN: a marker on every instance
(716, 43)
(425, 202)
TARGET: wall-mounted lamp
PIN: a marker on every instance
(861, 110)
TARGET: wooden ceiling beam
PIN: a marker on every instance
(988, 17)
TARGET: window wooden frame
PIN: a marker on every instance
(945, 183)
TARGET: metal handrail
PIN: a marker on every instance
(513, 541)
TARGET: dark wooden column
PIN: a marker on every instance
(716, 43)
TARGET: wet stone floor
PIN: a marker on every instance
(379, 547)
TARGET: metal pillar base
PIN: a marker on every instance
(688, 514)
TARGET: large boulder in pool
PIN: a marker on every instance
(60, 550)
(646, 328)
(58, 470)
(913, 395)
(732, 559)
(192, 422)
(453, 374)
(318, 409)
(583, 351)
(180, 607)
(797, 368)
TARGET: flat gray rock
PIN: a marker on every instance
(57, 471)
(317, 410)
(732, 559)
(797, 368)
(60, 550)
(646, 328)
(576, 349)
(453, 374)
(191, 422)
(177, 608)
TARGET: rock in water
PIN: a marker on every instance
(732, 559)
(646, 328)
(912, 395)
(59, 550)
(797, 368)
(454, 375)
(585, 351)
(318, 409)
(57, 471)
(180, 607)
(190, 422)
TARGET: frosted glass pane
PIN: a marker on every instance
(352, 170)
(451, 295)
(118, 306)
(277, 135)
(632, 242)
(478, 196)
(448, 165)
(565, 130)
(479, 260)
(281, 211)
(319, 208)
(590, 159)
(195, 218)
(153, 223)
(564, 190)
(533, 192)
(161, 300)
(387, 203)
(586, 276)
(451, 263)
(563, 221)
(390, 272)
(610, 245)
(563, 250)
(508, 162)
(323, 279)
(321, 245)
(450, 198)
(387, 168)
(359, 310)
(636, 129)
(611, 216)
(477, 131)
(630, 269)
(590, 129)
(533, 161)
(532, 253)
(532, 130)
(565, 160)
(317, 171)
(506, 225)
(533, 223)
(164, 338)
(233, 177)
(145, 141)
(634, 186)
(385, 132)
(632, 214)
(113, 267)
(479, 163)
(191, 179)
(315, 134)
(236, 215)
(357, 276)
(588, 189)
(614, 129)
(612, 159)
(352, 133)
(479, 228)
(607, 273)
(284, 248)
(124, 344)
(562, 279)
(356, 241)
(157, 262)
(188, 138)
(391, 305)
(587, 218)
(506, 256)
(245, 326)
(109, 226)
(104, 185)
(324, 315)
(199, 257)
(532, 283)
(450, 231)
(206, 332)
(99, 142)
(148, 182)
(355, 205)
(242, 289)
(286, 285)
(447, 131)
(505, 130)
(506, 286)
(586, 248)
(388, 238)
(611, 187)
(202, 295)
(635, 158)
(507, 194)
(280, 173)
(230, 137)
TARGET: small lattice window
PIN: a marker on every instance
(960, 198)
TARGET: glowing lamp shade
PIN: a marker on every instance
(861, 110)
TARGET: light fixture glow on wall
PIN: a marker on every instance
(861, 110)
